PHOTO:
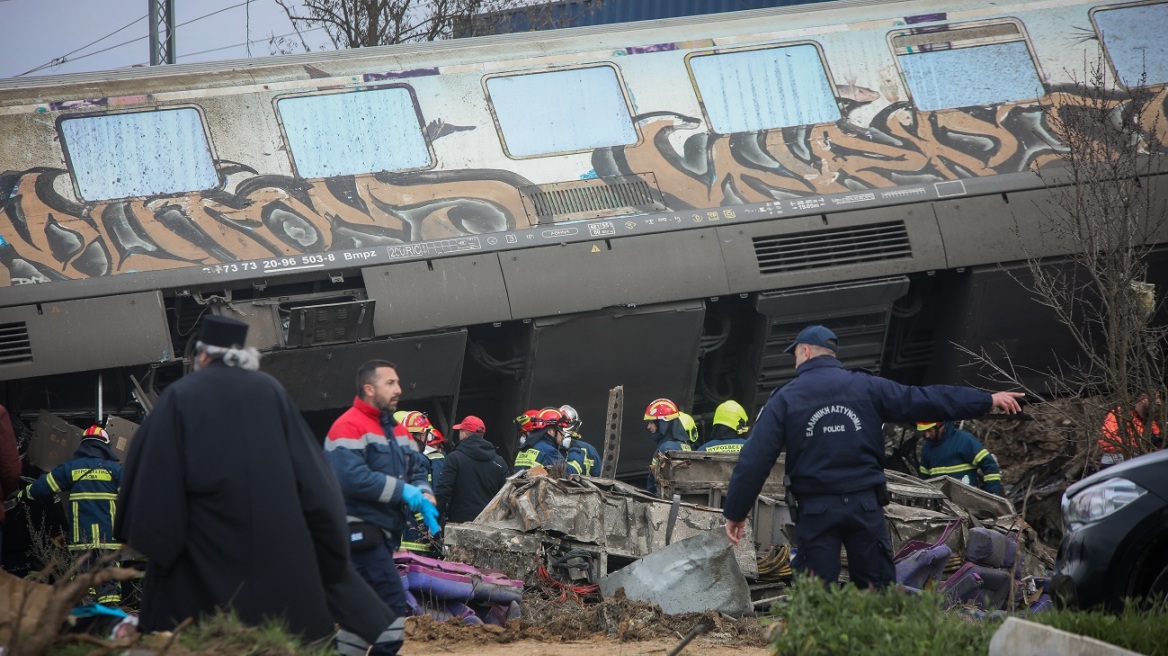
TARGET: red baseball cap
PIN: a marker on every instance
(471, 423)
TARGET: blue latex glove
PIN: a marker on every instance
(430, 516)
(413, 496)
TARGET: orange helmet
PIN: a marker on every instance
(526, 421)
(549, 417)
(436, 438)
(96, 432)
(416, 422)
(662, 409)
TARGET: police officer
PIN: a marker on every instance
(829, 420)
(730, 429)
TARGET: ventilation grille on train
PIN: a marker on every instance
(828, 248)
(593, 199)
(14, 345)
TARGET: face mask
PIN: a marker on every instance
(567, 443)
(523, 439)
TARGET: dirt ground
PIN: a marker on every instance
(565, 627)
(598, 646)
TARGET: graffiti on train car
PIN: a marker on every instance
(47, 236)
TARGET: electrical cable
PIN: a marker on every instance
(203, 52)
(63, 59)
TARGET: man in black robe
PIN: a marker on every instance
(227, 493)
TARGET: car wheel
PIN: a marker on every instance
(1159, 589)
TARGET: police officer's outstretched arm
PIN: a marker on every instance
(755, 462)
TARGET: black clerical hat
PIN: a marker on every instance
(223, 331)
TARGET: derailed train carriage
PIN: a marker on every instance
(527, 220)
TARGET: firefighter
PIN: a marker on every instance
(421, 431)
(543, 443)
(730, 429)
(950, 451)
(524, 425)
(693, 436)
(582, 457)
(664, 424)
(91, 477)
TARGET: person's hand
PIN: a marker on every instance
(734, 530)
(430, 516)
(430, 497)
(1007, 402)
(414, 497)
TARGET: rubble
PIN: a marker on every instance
(614, 522)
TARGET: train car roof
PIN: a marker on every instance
(455, 51)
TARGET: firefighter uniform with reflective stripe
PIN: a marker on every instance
(583, 458)
(541, 449)
(91, 478)
(732, 445)
(959, 454)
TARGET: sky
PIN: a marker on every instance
(38, 32)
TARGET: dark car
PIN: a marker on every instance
(1115, 540)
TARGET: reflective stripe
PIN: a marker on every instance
(52, 482)
(954, 469)
(527, 458)
(980, 456)
(415, 546)
(576, 466)
(387, 492)
(350, 644)
(724, 448)
(95, 545)
(93, 496)
(992, 477)
(92, 475)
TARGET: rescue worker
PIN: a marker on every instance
(382, 484)
(664, 424)
(524, 425)
(473, 475)
(950, 451)
(1118, 442)
(91, 477)
(830, 421)
(730, 429)
(582, 457)
(417, 424)
(543, 443)
(693, 436)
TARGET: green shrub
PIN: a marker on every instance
(1142, 629)
(845, 620)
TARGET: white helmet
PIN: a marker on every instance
(573, 417)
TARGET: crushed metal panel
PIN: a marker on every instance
(694, 575)
(89, 334)
(121, 433)
(973, 500)
(683, 471)
(53, 442)
(619, 518)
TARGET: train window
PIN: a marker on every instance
(561, 111)
(967, 66)
(138, 154)
(751, 90)
(354, 133)
(1134, 39)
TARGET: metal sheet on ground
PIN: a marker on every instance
(694, 575)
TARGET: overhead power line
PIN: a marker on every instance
(238, 45)
(58, 61)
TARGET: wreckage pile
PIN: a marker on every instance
(583, 532)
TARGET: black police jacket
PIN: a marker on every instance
(830, 421)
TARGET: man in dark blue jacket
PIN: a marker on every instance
(91, 477)
(663, 419)
(543, 443)
(829, 420)
(950, 451)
